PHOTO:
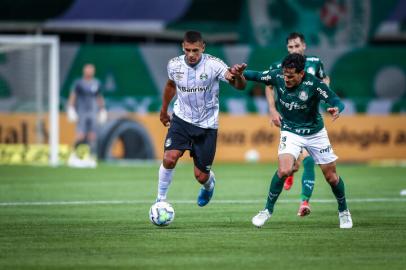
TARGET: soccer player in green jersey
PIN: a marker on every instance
(297, 98)
(295, 43)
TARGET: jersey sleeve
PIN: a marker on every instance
(320, 73)
(74, 87)
(169, 69)
(275, 65)
(328, 96)
(220, 68)
(267, 77)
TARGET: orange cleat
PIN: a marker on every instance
(288, 182)
(304, 209)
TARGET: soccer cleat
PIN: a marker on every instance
(304, 209)
(345, 219)
(205, 195)
(260, 219)
(288, 182)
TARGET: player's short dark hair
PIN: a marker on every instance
(295, 35)
(294, 60)
(192, 37)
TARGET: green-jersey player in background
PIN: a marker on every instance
(295, 43)
(297, 98)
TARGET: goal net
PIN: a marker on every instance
(29, 92)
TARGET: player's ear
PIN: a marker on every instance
(183, 46)
(203, 46)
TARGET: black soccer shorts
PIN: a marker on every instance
(201, 142)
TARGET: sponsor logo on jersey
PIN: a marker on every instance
(303, 95)
(292, 105)
(193, 89)
(308, 83)
(266, 78)
(178, 75)
(168, 142)
(204, 76)
(312, 59)
(322, 92)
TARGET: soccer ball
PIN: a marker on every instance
(161, 213)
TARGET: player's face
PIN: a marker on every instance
(296, 46)
(291, 77)
(88, 71)
(193, 52)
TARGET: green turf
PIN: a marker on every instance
(118, 235)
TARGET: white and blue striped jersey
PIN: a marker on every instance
(197, 89)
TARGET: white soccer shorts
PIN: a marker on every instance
(318, 145)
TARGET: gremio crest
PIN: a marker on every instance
(303, 96)
(204, 76)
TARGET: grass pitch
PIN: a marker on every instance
(62, 218)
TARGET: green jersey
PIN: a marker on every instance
(313, 66)
(298, 106)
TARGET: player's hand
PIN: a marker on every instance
(102, 117)
(165, 118)
(72, 115)
(335, 113)
(276, 119)
(237, 69)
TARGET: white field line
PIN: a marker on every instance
(113, 202)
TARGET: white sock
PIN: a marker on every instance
(209, 185)
(165, 179)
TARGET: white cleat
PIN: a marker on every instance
(345, 219)
(260, 219)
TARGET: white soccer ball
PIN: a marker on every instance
(161, 213)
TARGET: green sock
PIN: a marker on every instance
(339, 192)
(308, 178)
(274, 190)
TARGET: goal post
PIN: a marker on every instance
(12, 45)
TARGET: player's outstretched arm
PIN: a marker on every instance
(235, 76)
(275, 117)
(169, 93)
(330, 97)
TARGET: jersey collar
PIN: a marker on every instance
(197, 64)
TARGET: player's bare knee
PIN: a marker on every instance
(284, 172)
(170, 161)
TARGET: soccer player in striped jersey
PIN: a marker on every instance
(194, 78)
(295, 43)
(298, 95)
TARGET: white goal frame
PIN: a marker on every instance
(53, 43)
